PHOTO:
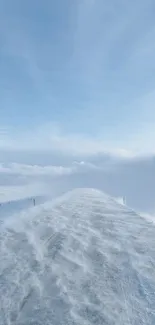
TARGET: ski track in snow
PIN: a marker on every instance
(82, 259)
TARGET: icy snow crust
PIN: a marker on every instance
(82, 259)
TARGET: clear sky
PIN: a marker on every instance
(78, 67)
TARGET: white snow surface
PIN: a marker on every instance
(80, 259)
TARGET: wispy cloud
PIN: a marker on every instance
(35, 170)
(107, 62)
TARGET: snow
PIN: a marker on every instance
(8, 209)
(81, 259)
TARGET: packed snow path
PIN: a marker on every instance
(83, 259)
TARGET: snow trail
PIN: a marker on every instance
(81, 259)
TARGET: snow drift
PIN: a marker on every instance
(81, 259)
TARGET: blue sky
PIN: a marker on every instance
(78, 67)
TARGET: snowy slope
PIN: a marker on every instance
(9, 208)
(81, 259)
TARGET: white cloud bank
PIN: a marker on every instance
(48, 162)
(133, 178)
(35, 170)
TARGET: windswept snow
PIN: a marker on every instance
(8, 209)
(81, 259)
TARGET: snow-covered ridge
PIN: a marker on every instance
(80, 259)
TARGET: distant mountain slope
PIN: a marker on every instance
(81, 259)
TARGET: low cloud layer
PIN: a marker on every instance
(49, 162)
(132, 178)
